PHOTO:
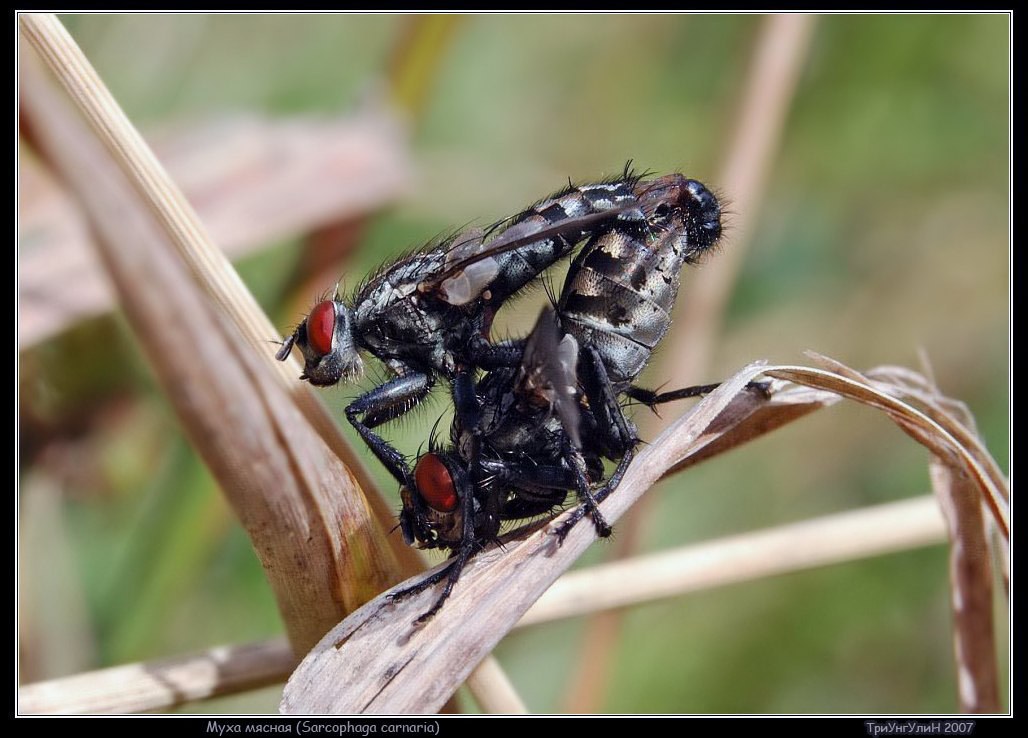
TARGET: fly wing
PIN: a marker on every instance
(541, 234)
(471, 270)
(549, 373)
(471, 265)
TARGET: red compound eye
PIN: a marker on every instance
(435, 483)
(321, 326)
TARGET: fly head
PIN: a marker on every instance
(325, 338)
(432, 514)
(686, 207)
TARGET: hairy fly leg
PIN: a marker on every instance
(652, 398)
(599, 496)
(450, 573)
(585, 496)
(612, 431)
(532, 479)
(382, 404)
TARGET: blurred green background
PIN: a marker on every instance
(884, 231)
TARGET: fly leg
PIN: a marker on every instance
(489, 356)
(467, 409)
(385, 402)
(651, 399)
(585, 496)
(614, 428)
(528, 475)
(540, 487)
(600, 495)
(614, 431)
(451, 573)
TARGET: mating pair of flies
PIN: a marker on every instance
(534, 418)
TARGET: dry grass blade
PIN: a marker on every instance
(917, 424)
(788, 403)
(964, 476)
(377, 662)
(974, 642)
(159, 685)
(950, 414)
(210, 269)
(847, 536)
(249, 463)
(494, 691)
(320, 547)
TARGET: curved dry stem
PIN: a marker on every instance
(376, 661)
(964, 477)
(916, 423)
(974, 643)
(494, 691)
(377, 646)
(308, 519)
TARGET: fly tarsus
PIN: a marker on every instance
(652, 398)
(451, 573)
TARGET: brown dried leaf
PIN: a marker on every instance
(376, 661)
